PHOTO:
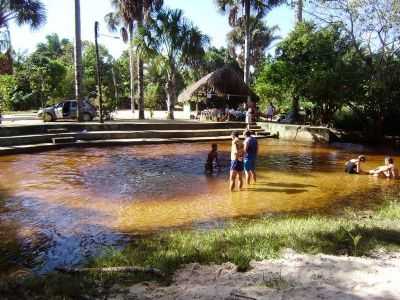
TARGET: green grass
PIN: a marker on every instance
(352, 233)
(243, 241)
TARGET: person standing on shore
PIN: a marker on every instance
(250, 156)
(236, 162)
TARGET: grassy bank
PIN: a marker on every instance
(352, 233)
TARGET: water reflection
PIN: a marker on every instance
(66, 205)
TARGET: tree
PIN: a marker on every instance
(261, 37)
(54, 47)
(78, 59)
(240, 12)
(177, 43)
(127, 12)
(29, 12)
(316, 65)
(373, 27)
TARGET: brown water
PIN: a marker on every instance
(65, 205)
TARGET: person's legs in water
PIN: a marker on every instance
(249, 168)
(232, 179)
(240, 176)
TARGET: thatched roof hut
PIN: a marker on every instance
(224, 83)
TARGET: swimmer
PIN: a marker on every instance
(353, 166)
(388, 170)
(212, 156)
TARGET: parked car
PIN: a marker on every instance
(67, 110)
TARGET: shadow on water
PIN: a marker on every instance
(270, 190)
(62, 236)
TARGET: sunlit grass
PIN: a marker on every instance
(242, 241)
(354, 233)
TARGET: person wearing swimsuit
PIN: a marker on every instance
(353, 166)
(388, 170)
(236, 161)
(212, 156)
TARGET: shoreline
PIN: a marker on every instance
(243, 246)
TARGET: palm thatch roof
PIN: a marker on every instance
(224, 83)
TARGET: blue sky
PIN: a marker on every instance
(203, 13)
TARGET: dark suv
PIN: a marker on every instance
(67, 110)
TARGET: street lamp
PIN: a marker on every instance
(98, 71)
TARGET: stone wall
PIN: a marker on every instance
(297, 133)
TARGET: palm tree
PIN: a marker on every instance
(29, 12)
(261, 38)
(129, 13)
(240, 12)
(123, 19)
(23, 12)
(78, 59)
(299, 11)
(176, 43)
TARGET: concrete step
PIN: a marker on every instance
(63, 140)
(115, 142)
(111, 135)
(57, 130)
(15, 130)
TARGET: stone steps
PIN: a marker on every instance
(113, 135)
(19, 149)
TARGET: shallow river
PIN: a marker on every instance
(65, 205)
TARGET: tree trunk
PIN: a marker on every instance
(171, 96)
(247, 43)
(78, 60)
(140, 68)
(295, 108)
(115, 88)
(131, 69)
(299, 12)
(141, 89)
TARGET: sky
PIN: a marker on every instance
(60, 20)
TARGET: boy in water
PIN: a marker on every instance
(250, 155)
(388, 170)
(236, 161)
(212, 156)
(353, 166)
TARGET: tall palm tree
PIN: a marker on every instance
(298, 11)
(176, 43)
(261, 38)
(240, 12)
(78, 59)
(127, 14)
(23, 12)
(29, 12)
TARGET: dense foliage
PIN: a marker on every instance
(340, 69)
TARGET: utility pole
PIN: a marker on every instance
(78, 60)
(98, 70)
(247, 43)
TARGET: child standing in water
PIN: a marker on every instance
(212, 156)
(236, 161)
(353, 166)
(388, 170)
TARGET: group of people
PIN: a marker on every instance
(244, 156)
(243, 159)
(388, 170)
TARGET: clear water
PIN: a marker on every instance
(63, 206)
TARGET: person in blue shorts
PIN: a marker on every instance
(236, 161)
(250, 156)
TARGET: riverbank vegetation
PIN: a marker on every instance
(339, 66)
(352, 232)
